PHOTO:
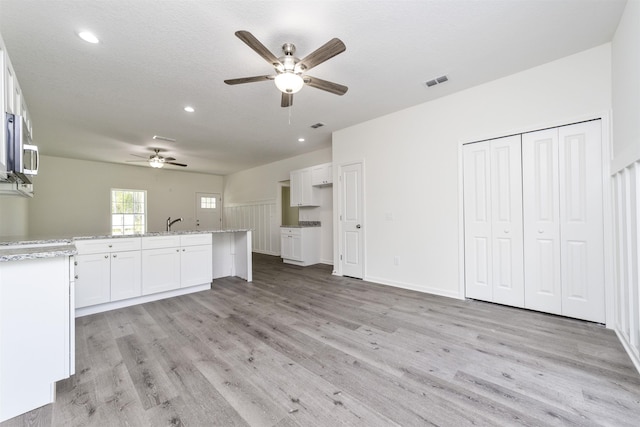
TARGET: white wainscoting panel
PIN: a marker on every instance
(261, 217)
(626, 194)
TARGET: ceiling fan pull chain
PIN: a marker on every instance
(290, 108)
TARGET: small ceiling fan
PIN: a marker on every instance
(290, 71)
(157, 161)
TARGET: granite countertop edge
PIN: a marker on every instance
(20, 250)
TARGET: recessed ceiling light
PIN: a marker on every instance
(88, 37)
(300, 139)
(189, 109)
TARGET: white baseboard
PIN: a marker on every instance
(635, 358)
(414, 287)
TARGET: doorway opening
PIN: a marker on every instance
(289, 213)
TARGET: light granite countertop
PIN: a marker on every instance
(20, 248)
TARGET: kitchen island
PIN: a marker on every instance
(45, 284)
(119, 271)
(37, 330)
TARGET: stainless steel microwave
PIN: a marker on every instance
(22, 156)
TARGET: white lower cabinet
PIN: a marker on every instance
(107, 270)
(196, 267)
(173, 262)
(534, 228)
(300, 246)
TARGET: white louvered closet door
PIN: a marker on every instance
(493, 221)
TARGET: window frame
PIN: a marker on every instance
(135, 193)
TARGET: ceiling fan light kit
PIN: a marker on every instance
(289, 71)
(156, 163)
(288, 82)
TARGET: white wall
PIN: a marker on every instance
(13, 216)
(625, 171)
(411, 161)
(252, 199)
(72, 196)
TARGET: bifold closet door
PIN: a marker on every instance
(492, 192)
(563, 221)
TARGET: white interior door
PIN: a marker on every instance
(351, 221)
(208, 209)
(477, 220)
(506, 221)
(581, 221)
(543, 290)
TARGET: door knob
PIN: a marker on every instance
(358, 226)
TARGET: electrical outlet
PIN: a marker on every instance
(396, 260)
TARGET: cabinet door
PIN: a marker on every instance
(286, 247)
(477, 220)
(322, 174)
(541, 203)
(93, 285)
(296, 248)
(581, 221)
(295, 197)
(309, 192)
(125, 275)
(160, 270)
(196, 265)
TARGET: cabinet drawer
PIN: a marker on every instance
(291, 231)
(158, 242)
(95, 246)
(195, 239)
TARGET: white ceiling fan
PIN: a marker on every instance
(290, 71)
(157, 161)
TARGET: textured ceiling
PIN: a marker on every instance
(105, 102)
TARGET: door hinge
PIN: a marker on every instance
(340, 257)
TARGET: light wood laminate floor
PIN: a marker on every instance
(299, 347)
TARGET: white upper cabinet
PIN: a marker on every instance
(3, 106)
(322, 175)
(303, 193)
(11, 101)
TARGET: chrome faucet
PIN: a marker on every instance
(170, 223)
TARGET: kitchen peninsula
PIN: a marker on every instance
(45, 284)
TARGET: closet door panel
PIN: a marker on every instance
(581, 221)
(477, 220)
(540, 193)
(506, 214)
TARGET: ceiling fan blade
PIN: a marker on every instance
(169, 159)
(248, 80)
(327, 51)
(328, 86)
(134, 161)
(258, 47)
(176, 164)
(287, 100)
(137, 155)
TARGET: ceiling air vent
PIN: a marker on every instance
(317, 125)
(436, 81)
